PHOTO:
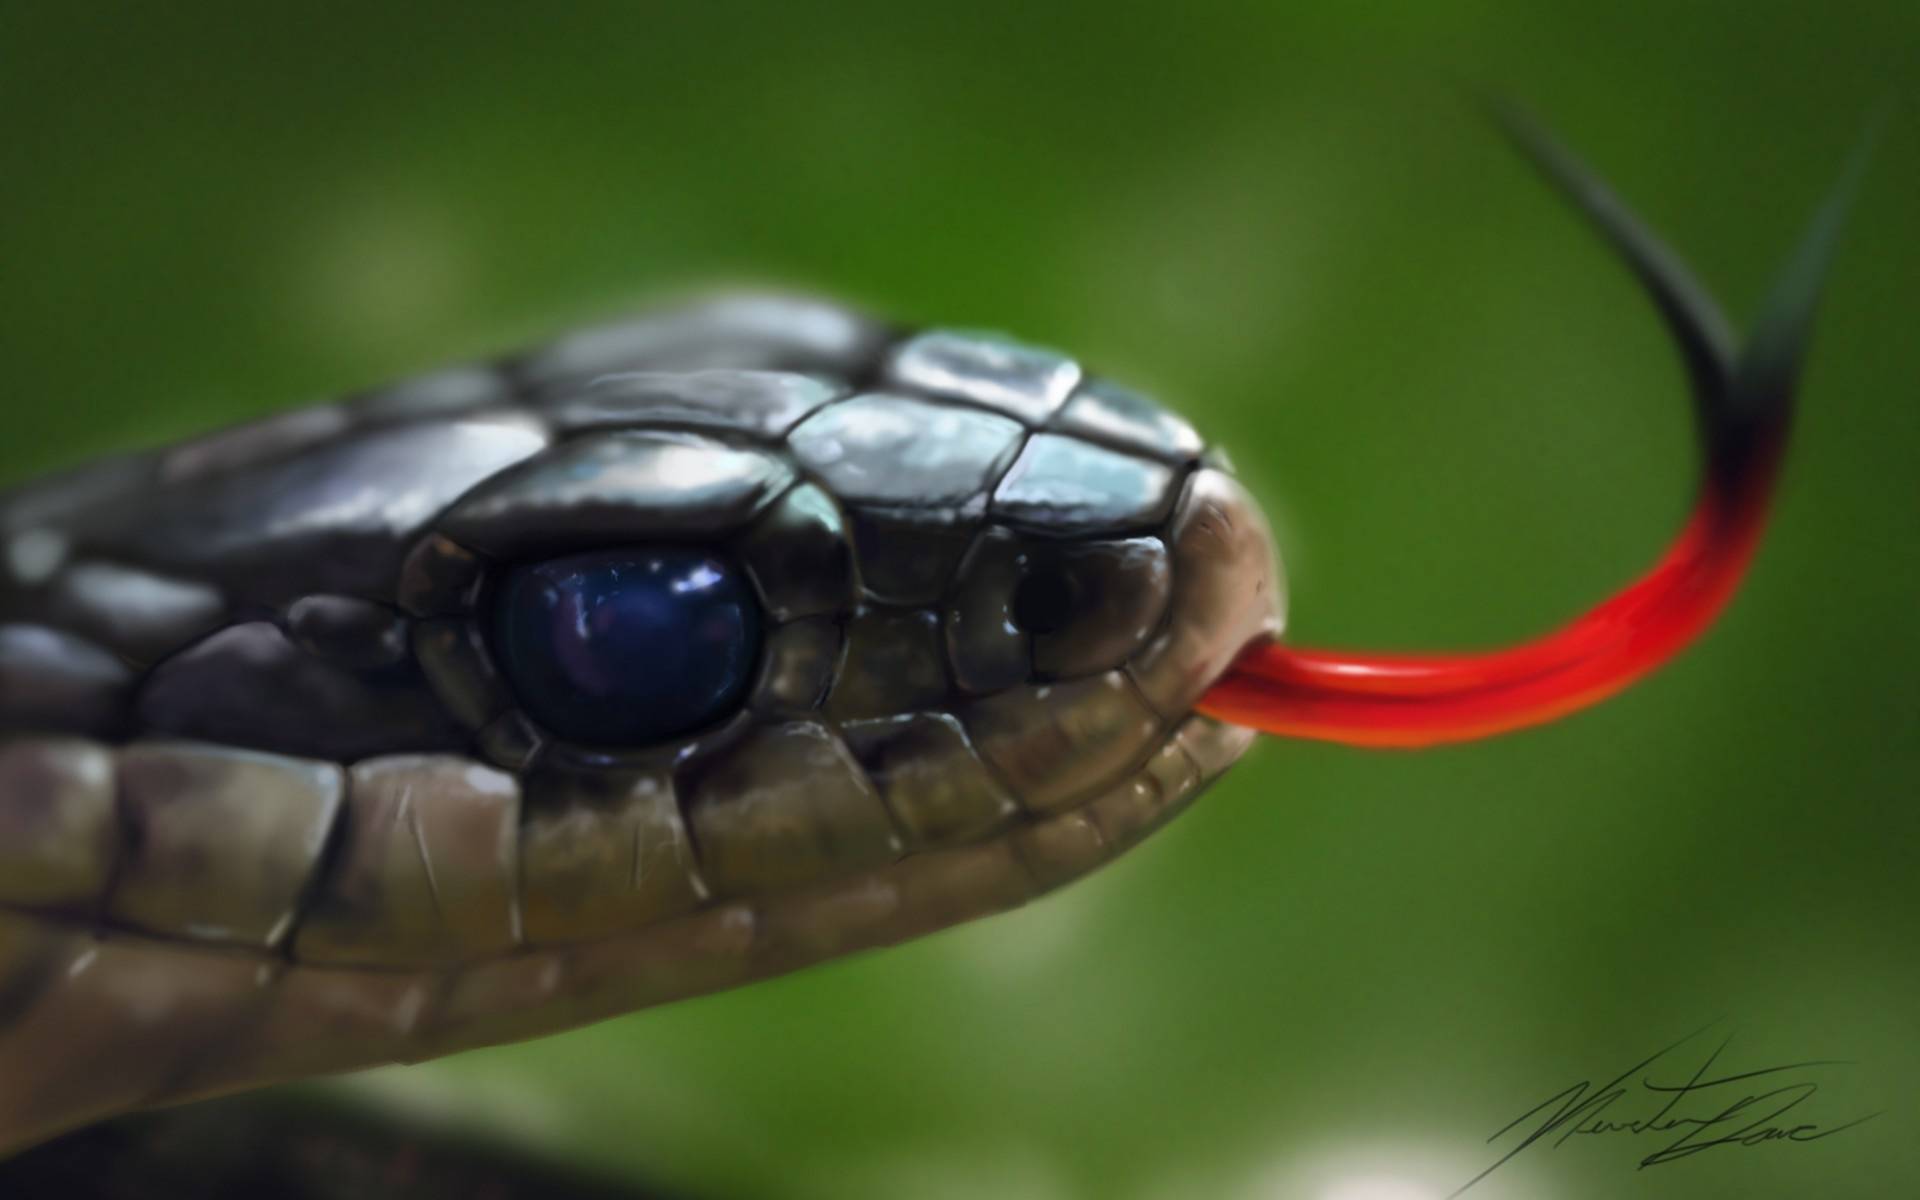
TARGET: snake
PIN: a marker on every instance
(677, 653)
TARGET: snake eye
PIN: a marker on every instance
(626, 647)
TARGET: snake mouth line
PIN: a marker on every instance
(1743, 401)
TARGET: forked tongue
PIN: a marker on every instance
(1743, 402)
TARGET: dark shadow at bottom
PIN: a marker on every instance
(291, 1148)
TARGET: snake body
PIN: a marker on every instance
(268, 809)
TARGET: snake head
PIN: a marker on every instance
(670, 655)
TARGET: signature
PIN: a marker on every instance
(1705, 1111)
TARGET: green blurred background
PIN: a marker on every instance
(1342, 971)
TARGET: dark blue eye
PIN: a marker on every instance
(626, 647)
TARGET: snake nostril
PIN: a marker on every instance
(626, 647)
(1045, 599)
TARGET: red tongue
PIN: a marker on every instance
(1744, 406)
(1426, 700)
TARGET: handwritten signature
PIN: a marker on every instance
(1706, 1112)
